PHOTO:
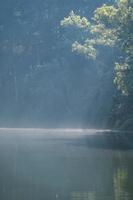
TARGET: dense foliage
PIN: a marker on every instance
(41, 82)
(112, 26)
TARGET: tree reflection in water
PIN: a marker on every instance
(83, 196)
(120, 179)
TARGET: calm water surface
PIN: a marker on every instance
(65, 165)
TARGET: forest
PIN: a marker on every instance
(45, 82)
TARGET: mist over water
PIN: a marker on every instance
(64, 164)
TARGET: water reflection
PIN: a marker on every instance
(120, 178)
(120, 183)
(110, 140)
(83, 196)
(89, 167)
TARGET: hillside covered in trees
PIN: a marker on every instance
(44, 84)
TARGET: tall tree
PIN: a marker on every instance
(112, 26)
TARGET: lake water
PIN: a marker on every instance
(65, 165)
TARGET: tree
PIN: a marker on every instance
(111, 26)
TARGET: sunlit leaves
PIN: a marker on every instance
(87, 49)
(120, 70)
(75, 20)
(111, 26)
(105, 14)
